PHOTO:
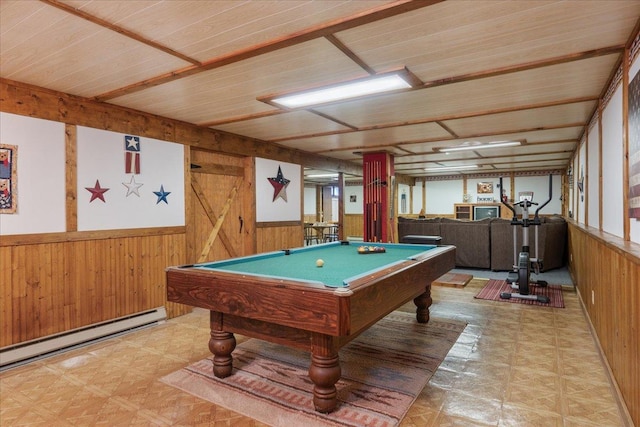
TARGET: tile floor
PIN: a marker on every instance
(515, 365)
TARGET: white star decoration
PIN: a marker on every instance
(132, 143)
(132, 186)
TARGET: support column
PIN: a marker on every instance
(378, 171)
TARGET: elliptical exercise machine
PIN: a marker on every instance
(520, 278)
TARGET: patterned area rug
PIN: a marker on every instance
(383, 371)
(494, 288)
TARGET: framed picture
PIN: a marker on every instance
(8, 179)
(485, 187)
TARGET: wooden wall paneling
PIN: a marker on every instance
(248, 234)
(6, 299)
(606, 271)
(55, 287)
(55, 295)
(69, 285)
(71, 177)
(19, 294)
(353, 225)
(109, 291)
(43, 289)
(274, 236)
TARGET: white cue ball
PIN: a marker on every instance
(319, 262)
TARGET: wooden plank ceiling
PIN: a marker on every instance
(489, 70)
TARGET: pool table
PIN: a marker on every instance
(283, 297)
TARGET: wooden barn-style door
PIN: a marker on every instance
(220, 207)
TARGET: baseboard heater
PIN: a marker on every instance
(28, 351)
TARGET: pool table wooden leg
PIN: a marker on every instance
(221, 344)
(324, 372)
(423, 302)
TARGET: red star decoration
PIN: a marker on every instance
(280, 184)
(97, 192)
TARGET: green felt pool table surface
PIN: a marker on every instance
(342, 262)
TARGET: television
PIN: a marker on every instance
(482, 212)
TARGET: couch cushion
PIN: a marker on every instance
(421, 227)
(471, 239)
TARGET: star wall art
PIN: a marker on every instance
(162, 195)
(132, 186)
(97, 192)
(132, 154)
(280, 184)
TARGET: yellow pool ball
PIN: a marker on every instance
(319, 263)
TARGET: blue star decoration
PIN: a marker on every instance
(162, 195)
(280, 184)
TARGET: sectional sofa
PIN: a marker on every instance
(488, 243)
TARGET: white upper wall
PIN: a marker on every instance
(634, 73)
(441, 196)
(580, 176)
(40, 175)
(612, 184)
(593, 168)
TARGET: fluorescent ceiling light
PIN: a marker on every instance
(340, 92)
(479, 146)
(449, 168)
(323, 175)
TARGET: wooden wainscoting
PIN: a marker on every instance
(68, 282)
(606, 271)
(273, 236)
(353, 225)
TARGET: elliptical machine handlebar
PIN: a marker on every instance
(527, 203)
(511, 208)
(535, 215)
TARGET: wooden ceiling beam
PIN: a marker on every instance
(450, 80)
(32, 101)
(578, 56)
(108, 25)
(444, 118)
(397, 7)
(423, 141)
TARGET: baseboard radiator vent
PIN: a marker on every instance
(25, 352)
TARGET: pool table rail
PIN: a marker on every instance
(312, 307)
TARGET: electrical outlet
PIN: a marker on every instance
(593, 297)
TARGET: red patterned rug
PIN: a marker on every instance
(494, 288)
(383, 371)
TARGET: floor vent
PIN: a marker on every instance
(19, 354)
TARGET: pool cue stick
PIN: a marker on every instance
(375, 199)
(369, 210)
(379, 199)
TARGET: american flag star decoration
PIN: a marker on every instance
(132, 154)
(280, 184)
